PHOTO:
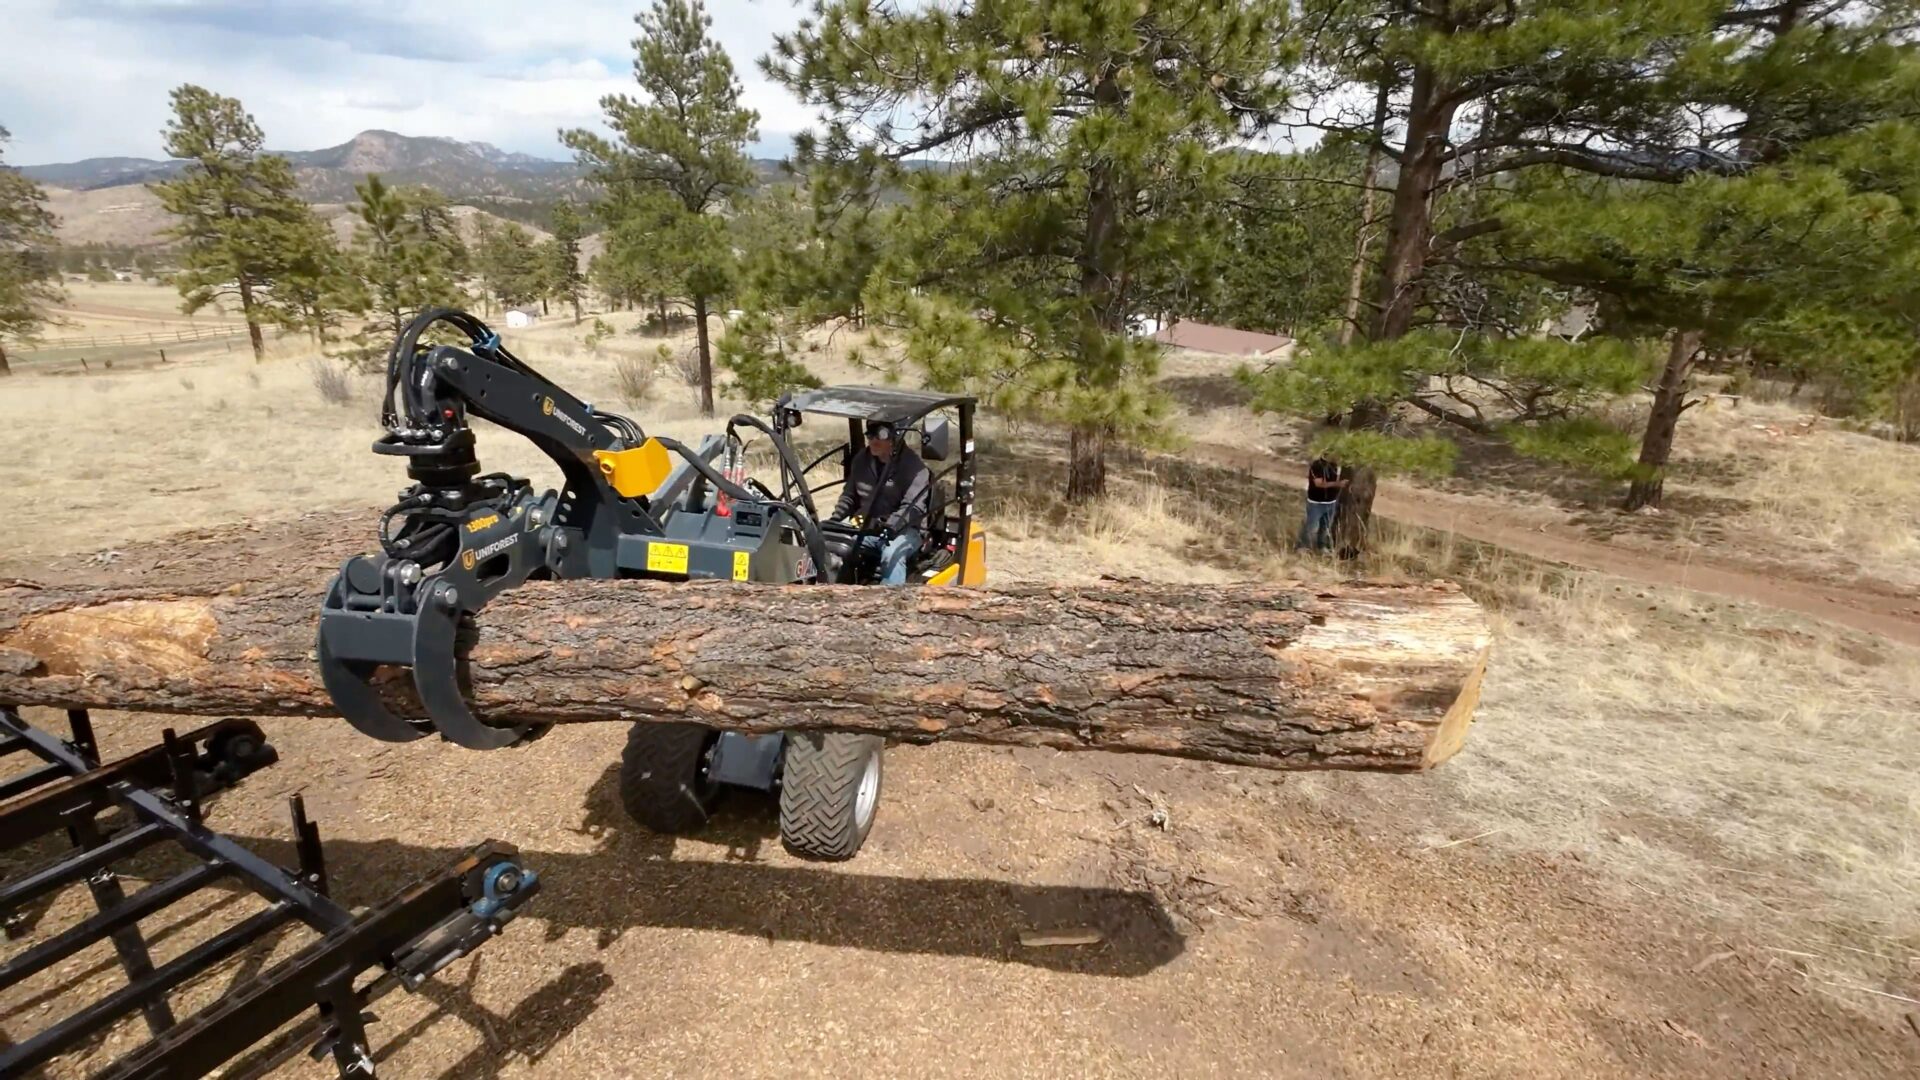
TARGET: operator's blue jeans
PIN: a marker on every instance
(893, 557)
(1317, 531)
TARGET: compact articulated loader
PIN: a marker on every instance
(631, 506)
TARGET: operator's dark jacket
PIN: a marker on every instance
(905, 500)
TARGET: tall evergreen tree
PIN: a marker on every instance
(26, 254)
(687, 138)
(619, 282)
(317, 287)
(1290, 226)
(1081, 134)
(1811, 260)
(401, 253)
(666, 254)
(242, 225)
(509, 264)
(434, 222)
(564, 280)
(479, 265)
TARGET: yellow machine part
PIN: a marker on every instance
(635, 471)
(974, 570)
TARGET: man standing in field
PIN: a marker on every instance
(1323, 498)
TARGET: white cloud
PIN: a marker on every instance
(87, 78)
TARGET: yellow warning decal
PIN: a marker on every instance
(667, 558)
(484, 521)
(740, 560)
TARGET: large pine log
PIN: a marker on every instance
(1359, 676)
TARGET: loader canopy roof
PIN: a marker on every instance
(874, 402)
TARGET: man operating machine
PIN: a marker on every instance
(887, 484)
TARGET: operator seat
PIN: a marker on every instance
(936, 445)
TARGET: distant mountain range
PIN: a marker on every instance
(459, 170)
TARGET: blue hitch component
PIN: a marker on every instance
(501, 889)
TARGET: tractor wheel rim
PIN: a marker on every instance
(867, 796)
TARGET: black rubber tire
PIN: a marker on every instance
(663, 781)
(237, 748)
(820, 777)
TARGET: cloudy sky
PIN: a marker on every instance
(89, 78)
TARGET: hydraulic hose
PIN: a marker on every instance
(789, 464)
(400, 360)
(809, 526)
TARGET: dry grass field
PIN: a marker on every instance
(1682, 840)
(1806, 492)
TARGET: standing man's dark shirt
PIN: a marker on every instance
(1323, 478)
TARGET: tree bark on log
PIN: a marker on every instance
(1381, 677)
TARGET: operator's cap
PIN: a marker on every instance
(879, 429)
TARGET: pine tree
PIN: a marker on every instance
(401, 257)
(484, 240)
(666, 254)
(763, 358)
(317, 287)
(562, 258)
(434, 222)
(26, 256)
(1490, 106)
(616, 281)
(1811, 260)
(804, 260)
(508, 263)
(1081, 135)
(687, 138)
(1290, 235)
(242, 224)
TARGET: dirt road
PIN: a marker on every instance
(1892, 616)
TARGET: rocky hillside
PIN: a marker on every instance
(104, 201)
(460, 169)
(130, 216)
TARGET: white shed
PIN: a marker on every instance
(519, 318)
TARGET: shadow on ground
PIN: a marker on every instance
(635, 879)
(632, 879)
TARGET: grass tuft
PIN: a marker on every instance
(635, 378)
(331, 381)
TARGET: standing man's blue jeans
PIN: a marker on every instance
(894, 556)
(1317, 531)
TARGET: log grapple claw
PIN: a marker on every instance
(381, 611)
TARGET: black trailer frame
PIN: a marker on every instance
(160, 793)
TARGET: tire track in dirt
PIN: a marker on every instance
(1892, 617)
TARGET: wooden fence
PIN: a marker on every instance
(157, 337)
